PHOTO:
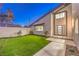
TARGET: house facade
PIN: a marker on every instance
(58, 23)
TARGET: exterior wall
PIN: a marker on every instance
(13, 31)
(68, 9)
(75, 13)
(49, 22)
(47, 25)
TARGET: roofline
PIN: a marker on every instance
(47, 13)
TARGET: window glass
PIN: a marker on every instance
(59, 29)
(39, 28)
(60, 15)
(63, 14)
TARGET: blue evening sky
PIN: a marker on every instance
(27, 13)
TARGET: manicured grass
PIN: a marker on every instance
(22, 45)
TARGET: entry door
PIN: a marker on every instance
(60, 24)
(59, 29)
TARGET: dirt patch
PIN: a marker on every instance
(71, 51)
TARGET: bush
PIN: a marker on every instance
(31, 32)
(46, 33)
(19, 32)
(72, 50)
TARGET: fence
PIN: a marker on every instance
(13, 31)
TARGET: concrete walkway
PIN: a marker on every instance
(55, 48)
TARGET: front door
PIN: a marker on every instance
(60, 24)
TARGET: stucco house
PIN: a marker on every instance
(59, 23)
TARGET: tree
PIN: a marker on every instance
(10, 16)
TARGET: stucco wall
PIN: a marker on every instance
(75, 12)
(13, 31)
(47, 25)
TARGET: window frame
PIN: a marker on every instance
(60, 15)
(38, 26)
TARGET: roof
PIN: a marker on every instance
(49, 12)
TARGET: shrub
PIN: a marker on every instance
(19, 32)
(31, 32)
(72, 50)
(46, 33)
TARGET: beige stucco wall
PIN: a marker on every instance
(75, 13)
(69, 19)
(12, 31)
(47, 25)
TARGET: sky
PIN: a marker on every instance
(27, 13)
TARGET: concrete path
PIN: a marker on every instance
(55, 48)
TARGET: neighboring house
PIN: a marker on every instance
(57, 23)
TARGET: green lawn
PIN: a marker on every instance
(22, 46)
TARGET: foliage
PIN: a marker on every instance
(46, 33)
(31, 32)
(19, 32)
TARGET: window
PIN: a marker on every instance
(39, 28)
(60, 15)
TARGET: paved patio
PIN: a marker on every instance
(57, 47)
